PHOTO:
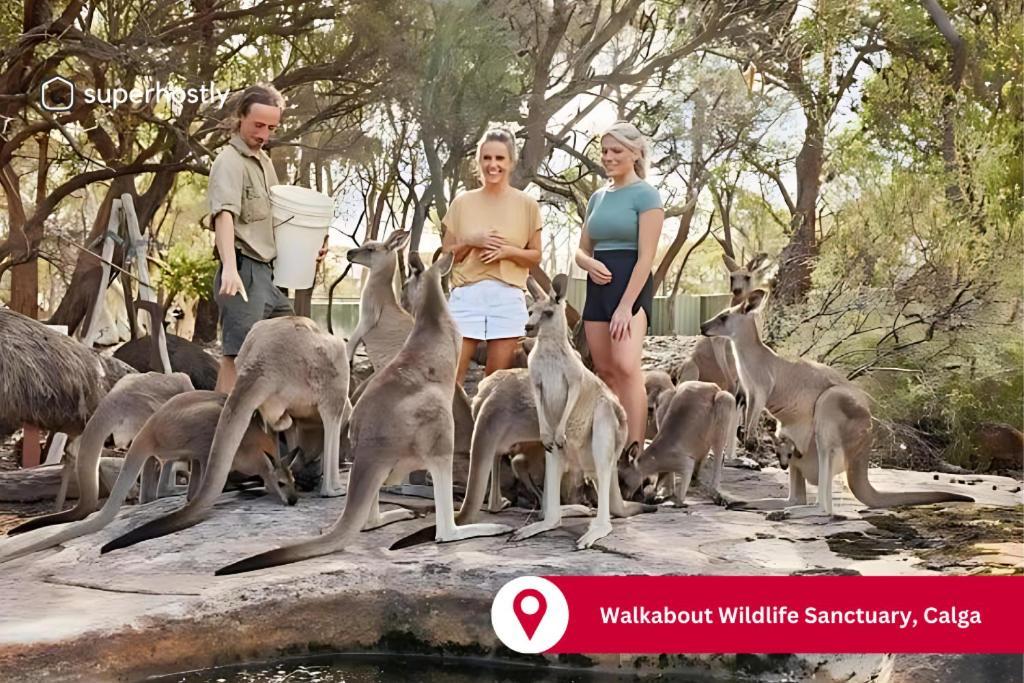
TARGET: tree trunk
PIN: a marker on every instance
(796, 262)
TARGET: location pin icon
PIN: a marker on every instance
(529, 607)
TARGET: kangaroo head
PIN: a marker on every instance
(785, 449)
(742, 279)
(548, 310)
(279, 479)
(424, 281)
(410, 284)
(630, 477)
(734, 320)
(374, 254)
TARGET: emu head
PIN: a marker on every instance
(548, 310)
(374, 254)
(735, 319)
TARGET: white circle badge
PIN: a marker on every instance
(529, 614)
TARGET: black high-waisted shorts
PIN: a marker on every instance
(602, 300)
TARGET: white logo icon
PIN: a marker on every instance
(49, 102)
(529, 614)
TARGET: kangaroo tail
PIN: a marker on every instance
(857, 477)
(231, 427)
(140, 449)
(87, 472)
(363, 485)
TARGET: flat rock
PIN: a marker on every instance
(72, 614)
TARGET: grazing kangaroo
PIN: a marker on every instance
(582, 425)
(120, 413)
(826, 416)
(287, 369)
(182, 429)
(696, 418)
(403, 422)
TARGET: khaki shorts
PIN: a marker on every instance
(238, 316)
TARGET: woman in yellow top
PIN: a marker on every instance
(494, 232)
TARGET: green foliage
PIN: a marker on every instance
(188, 273)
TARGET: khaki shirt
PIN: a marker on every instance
(515, 216)
(240, 183)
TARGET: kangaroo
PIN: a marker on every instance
(696, 418)
(826, 416)
(582, 425)
(182, 429)
(383, 324)
(120, 413)
(659, 387)
(403, 422)
(287, 369)
(505, 416)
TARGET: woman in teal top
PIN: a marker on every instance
(620, 237)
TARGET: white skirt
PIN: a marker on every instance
(489, 309)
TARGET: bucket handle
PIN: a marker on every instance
(286, 220)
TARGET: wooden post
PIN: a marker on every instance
(30, 446)
(91, 331)
(146, 293)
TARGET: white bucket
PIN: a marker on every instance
(301, 219)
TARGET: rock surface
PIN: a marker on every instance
(72, 614)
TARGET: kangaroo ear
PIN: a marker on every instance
(415, 262)
(536, 291)
(730, 264)
(444, 263)
(631, 452)
(760, 260)
(754, 300)
(559, 286)
(397, 240)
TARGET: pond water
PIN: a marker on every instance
(401, 668)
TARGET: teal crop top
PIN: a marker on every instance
(613, 215)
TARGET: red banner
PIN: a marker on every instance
(785, 614)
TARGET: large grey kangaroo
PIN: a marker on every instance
(826, 416)
(402, 422)
(287, 369)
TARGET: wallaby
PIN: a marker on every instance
(182, 429)
(582, 425)
(403, 422)
(121, 413)
(697, 418)
(287, 369)
(383, 324)
(826, 416)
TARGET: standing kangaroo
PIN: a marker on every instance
(403, 422)
(825, 416)
(582, 424)
(287, 368)
(180, 430)
(120, 413)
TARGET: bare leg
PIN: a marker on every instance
(500, 353)
(465, 356)
(226, 375)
